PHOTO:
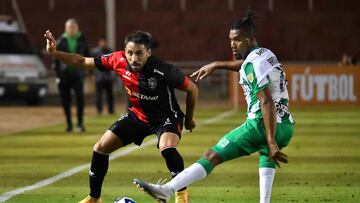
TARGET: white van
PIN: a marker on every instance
(22, 73)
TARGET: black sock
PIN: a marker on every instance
(98, 169)
(174, 161)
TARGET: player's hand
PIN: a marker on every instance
(276, 155)
(190, 124)
(50, 42)
(203, 71)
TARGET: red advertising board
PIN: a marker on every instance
(318, 85)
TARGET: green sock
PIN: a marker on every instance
(206, 164)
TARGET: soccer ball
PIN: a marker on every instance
(124, 200)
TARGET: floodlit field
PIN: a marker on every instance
(324, 162)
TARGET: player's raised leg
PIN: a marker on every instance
(226, 149)
(193, 173)
(162, 193)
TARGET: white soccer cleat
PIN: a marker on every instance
(157, 191)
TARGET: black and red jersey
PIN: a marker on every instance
(151, 91)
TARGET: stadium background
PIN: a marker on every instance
(308, 36)
(295, 30)
(193, 33)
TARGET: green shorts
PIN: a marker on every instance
(250, 137)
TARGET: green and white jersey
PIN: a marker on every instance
(261, 69)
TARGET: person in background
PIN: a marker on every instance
(70, 78)
(104, 79)
(347, 60)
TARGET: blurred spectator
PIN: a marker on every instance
(347, 60)
(104, 79)
(71, 78)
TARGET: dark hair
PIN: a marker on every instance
(139, 37)
(246, 23)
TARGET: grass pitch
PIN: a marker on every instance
(324, 162)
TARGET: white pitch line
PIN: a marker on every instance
(8, 195)
(216, 118)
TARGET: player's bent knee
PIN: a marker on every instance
(108, 143)
(99, 147)
(168, 140)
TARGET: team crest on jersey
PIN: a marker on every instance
(250, 77)
(152, 83)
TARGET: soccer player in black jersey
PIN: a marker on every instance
(153, 109)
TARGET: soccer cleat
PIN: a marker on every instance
(182, 197)
(157, 191)
(89, 199)
(69, 129)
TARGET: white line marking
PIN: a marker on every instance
(75, 170)
(218, 117)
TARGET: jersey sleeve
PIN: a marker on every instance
(176, 79)
(256, 79)
(110, 61)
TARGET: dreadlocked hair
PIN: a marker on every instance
(246, 23)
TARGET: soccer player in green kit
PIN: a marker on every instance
(269, 124)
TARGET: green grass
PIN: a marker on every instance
(324, 162)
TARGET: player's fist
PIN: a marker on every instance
(275, 154)
(50, 42)
(190, 124)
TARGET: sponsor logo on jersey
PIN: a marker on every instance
(281, 109)
(144, 97)
(141, 96)
(152, 83)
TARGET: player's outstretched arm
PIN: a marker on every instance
(191, 99)
(269, 117)
(209, 68)
(72, 59)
